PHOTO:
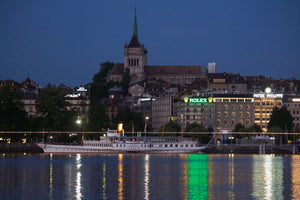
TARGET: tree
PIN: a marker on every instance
(195, 127)
(282, 118)
(100, 87)
(98, 120)
(52, 107)
(129, 118)
(13, 117)
(253, 128)
(170, 127)
(239, 128)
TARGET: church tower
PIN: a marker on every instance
(135, 56)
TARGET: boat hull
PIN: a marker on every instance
(49, 148)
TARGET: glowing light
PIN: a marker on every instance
(186, 99)
(268, 90)
(120, 127)
(78, 121)
(296, 100)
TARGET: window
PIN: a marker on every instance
(225, 122)
(248, 122)
(233, 122)
(226, 107)
(241, 114)
(248, 114)
(241, 107)
(225, 114)
(233, 114)
(219, 122)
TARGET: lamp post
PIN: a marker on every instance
(146, 123)
(79, 122)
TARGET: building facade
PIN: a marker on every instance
(264, 103)
(232, 109)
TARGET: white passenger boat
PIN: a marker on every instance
(114, 143)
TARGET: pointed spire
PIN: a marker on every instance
(135, 31)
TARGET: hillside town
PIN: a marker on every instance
(184, 95)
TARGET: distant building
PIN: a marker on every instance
(232, 109)
(224, 83)
(135, 60)
(264, 103)
(292, 103)
(211, 68)
(112, 103)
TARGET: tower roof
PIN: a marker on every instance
(134, 42)
(135, 31)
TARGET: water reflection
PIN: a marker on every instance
(197, 176)
(104, 181)
(231, 183)
(267, 177)
(140, 176)
(147, 176)
(51, 177)
(78, 177)
(120, 179)
(295, 173)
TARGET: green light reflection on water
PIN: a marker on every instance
(198, 172)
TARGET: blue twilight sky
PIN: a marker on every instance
(63, 41)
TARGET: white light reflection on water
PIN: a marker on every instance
(78, 177)
(267, 177)
(147, 176)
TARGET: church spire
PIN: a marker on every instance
(135, 31)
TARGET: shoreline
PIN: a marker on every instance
(224, 149)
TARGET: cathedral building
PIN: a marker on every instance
(135, 63)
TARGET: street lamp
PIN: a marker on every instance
(78, 121)
(146, 123)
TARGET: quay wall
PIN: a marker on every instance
(254, 149)
(20, 148)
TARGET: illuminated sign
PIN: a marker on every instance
(296, 99)
(186, 99)
(267, 95)
(198, 100)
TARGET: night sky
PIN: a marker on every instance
(64, 41)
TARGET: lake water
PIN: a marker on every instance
(149, 176)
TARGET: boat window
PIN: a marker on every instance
(166, 145)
